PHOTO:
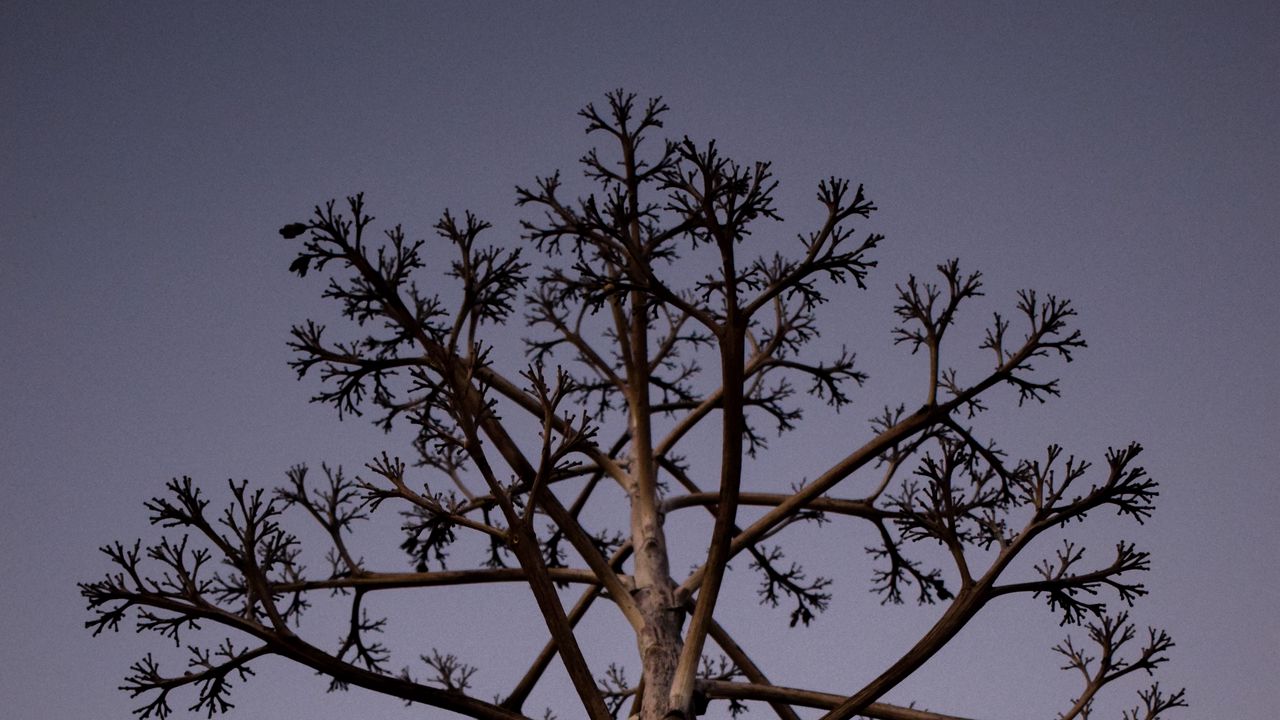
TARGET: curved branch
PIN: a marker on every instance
(302, 652)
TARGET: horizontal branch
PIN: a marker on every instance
(837, 506)
(390, 581)
(728, 690)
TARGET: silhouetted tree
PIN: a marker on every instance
(648, 322)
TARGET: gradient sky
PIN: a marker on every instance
(1124, 155)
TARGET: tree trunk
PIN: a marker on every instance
(659, 638)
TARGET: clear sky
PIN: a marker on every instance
(1122, 154)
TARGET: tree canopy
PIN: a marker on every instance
(669, 335)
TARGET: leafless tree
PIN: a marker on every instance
(647, 323)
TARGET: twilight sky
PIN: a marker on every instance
(1124, 155)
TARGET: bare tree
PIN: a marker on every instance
(648, 323)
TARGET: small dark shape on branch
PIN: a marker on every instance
(293, 230)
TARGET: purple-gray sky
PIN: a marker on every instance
(1124, 155)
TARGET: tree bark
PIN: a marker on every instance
(659, 638)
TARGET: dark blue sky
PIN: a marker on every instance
(1124, 155)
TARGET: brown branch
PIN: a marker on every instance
(899, 432)
(515, 700)
(298, 650)
(967, 602)
(732, 350)
(748, 668)
(727, 690)
(836, 506)
(370, 581)
(524, 544)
